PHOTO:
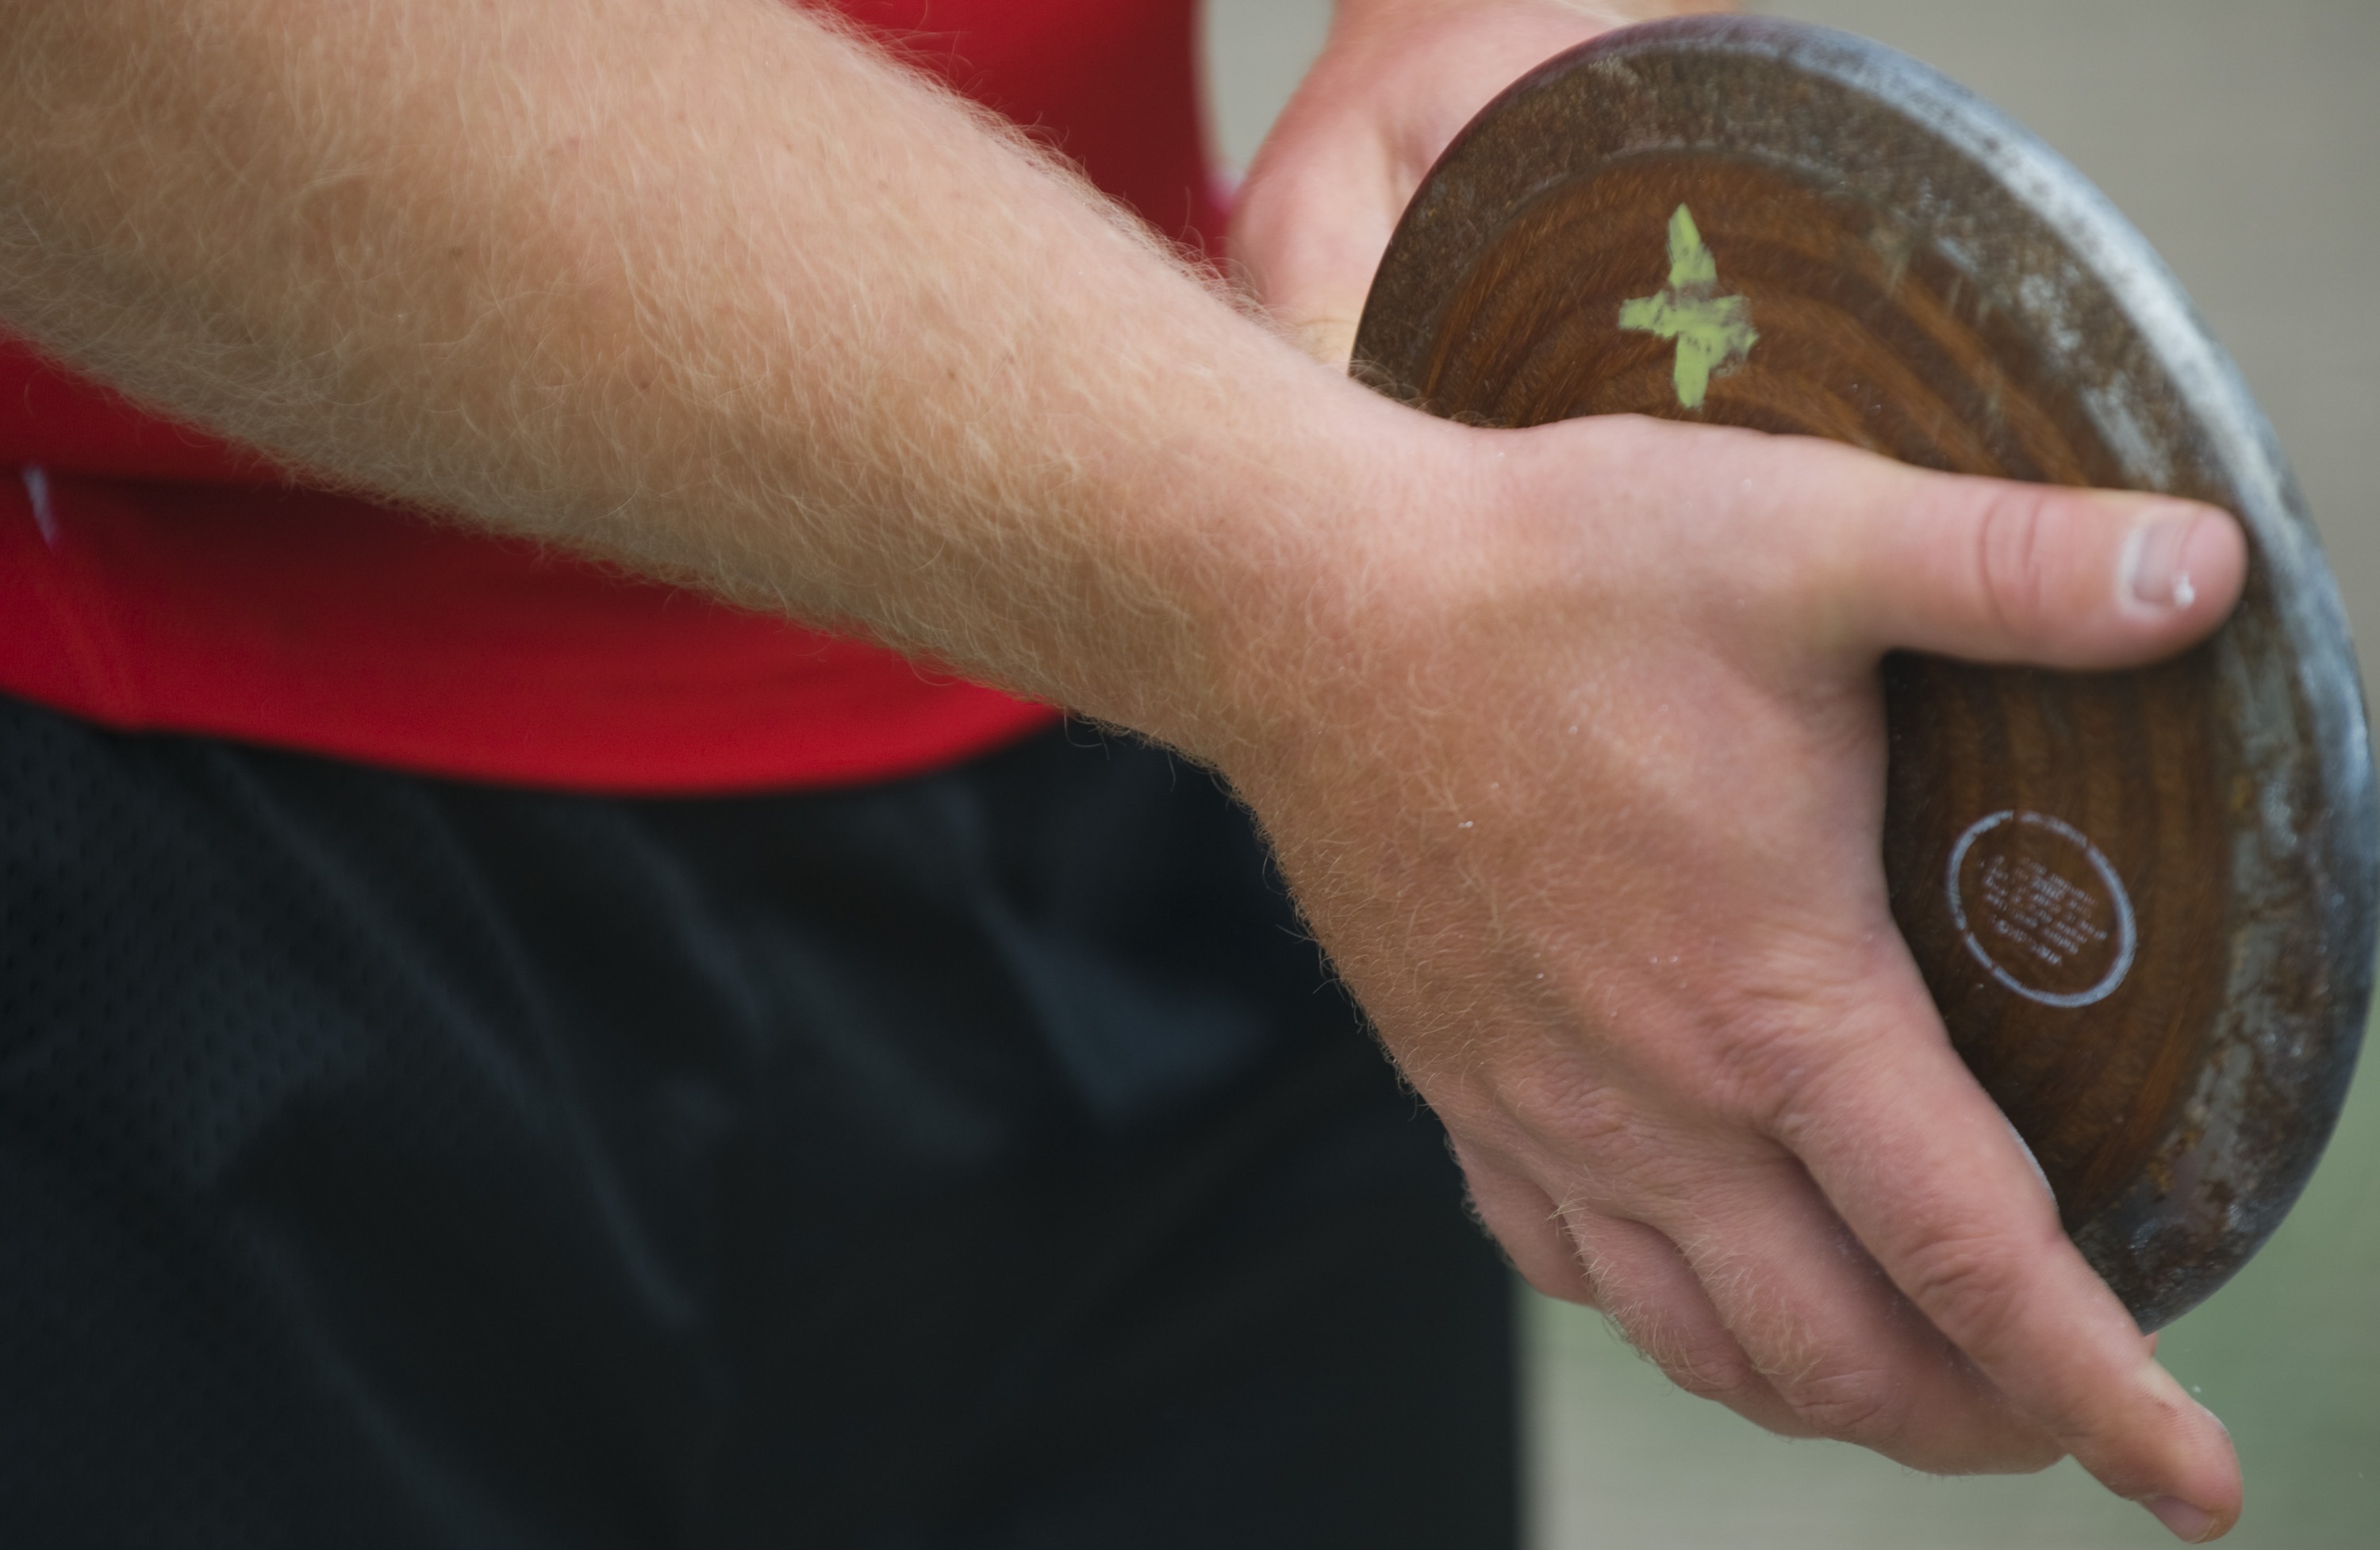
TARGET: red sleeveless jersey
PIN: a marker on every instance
(150, 579)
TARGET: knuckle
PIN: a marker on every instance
(1713, 1367)
(1967, 1287)
(1781, 1056)
(1811, 1093)
(2015, 559)
(1602, 1127)
(1850, 1406)
(1701, 1358)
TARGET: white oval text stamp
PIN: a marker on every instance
(2041, 908)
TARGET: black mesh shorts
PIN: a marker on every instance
(982, 1160)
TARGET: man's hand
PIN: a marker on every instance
(1628, 930)
(1586, 807)
(1395, 82)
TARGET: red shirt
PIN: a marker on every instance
(150, 579)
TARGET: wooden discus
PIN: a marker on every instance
(2144, 901)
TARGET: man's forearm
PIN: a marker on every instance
(708, 285)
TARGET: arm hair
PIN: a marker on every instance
(711, 287)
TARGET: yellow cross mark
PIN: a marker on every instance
(1712, 331)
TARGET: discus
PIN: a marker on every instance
(2144, 901)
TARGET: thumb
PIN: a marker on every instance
(1993, 571)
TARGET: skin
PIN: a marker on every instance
(1568, 739)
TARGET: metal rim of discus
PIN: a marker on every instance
(2144, 901)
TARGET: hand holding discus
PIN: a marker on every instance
(1631, 934)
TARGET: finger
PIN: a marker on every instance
(1644, 1285)
(1842, 1349)
(1915, 1156)
(1994, 571)
(1330, 182)
(1307, 239)
(1526, 1223)
(1635, 1276)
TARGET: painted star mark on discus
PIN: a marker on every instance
(1712, 331)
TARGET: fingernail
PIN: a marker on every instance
(2186, 1522)
(2154, 570)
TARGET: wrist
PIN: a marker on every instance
(1384, 512)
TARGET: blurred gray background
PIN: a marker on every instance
(2243, 138)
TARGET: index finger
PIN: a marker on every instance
(1920, 1164)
